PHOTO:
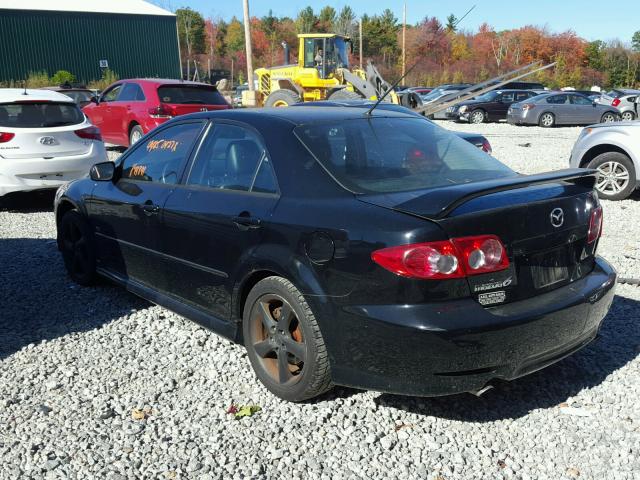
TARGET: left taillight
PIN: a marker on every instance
(6, 136)
(89, 133)
(595, 224)
(486, 147)
(447, 259)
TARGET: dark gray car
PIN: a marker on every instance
(550, 109)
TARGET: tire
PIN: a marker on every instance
(628, 116)
(547, 120)
(135, 134)
(77, 245)
(608, 117)
(282, 98)
(273, 342)
(478, 116)
(344, 94)
(616, 175)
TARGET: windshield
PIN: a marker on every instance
(386, 155)
(487, 97)
(78, 96)
(39, 114)
(183, 94)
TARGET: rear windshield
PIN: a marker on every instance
(39, 115)
(183, 94)
(385, 155)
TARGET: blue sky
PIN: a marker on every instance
(589, 19)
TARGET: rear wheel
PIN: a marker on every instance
(135, 134)
(608, 118)
(616, 175)
(477, 116)
(75, 240)
(547, 120)
(283, 341)
(282, 98)
(628, 116)
(344, 94)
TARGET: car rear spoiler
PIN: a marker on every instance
(437, 203)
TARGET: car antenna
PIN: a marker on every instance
(368, 112)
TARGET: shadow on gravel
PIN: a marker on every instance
(38, 301)
(28, 202)
(619, 343)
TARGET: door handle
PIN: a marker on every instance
(246, 222)
(150, 209)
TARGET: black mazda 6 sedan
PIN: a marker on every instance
(341, 246)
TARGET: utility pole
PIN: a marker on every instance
(360, 35)
(404, 41)
(247, 41)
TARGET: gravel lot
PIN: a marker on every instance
(96, 383)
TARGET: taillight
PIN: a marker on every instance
(595, 224)
(528, 106)
(481, 254)
(615, 102)
(455, 258)
(486, 147)
(163, 111)
(6, 136)
(89, 133)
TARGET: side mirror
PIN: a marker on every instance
(102, 172)
(94, 99)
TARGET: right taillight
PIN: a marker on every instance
(6, 136)
(615, 102)
(595, 224)
(447, 259)
(89, 133)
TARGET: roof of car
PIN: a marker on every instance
(164, 81)
(18, 95)
(301, 115)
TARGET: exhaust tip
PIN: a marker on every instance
(482, 391)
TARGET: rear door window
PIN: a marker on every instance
(580, 100)
(557, 99)
(507, 97)
(520, 96)
(131, 93)
(233, 157)
(161, 157)
(39, 115)
(190, 95)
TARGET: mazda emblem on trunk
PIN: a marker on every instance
(557, 217)
(48, 141)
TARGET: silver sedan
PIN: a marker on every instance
(551, 109)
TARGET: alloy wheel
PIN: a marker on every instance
(477, 117)
(547, 120)
(628, 116)
(613, 177)
(277, 339)
(135, 136)
(608, 118)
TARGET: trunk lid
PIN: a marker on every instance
(542, 220)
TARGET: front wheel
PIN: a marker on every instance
(628, 116)
(547, 120)
(283, 341)
(608, 118)
(282, 98)
(477, 116)
(616, 175)
(75, 241)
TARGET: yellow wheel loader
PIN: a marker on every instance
(322, 73)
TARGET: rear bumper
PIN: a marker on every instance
(27, 174)
(458, 346)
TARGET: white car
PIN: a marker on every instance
(613, 149)
(45, 140)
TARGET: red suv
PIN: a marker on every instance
(128, 109)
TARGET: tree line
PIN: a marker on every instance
(442, 52)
